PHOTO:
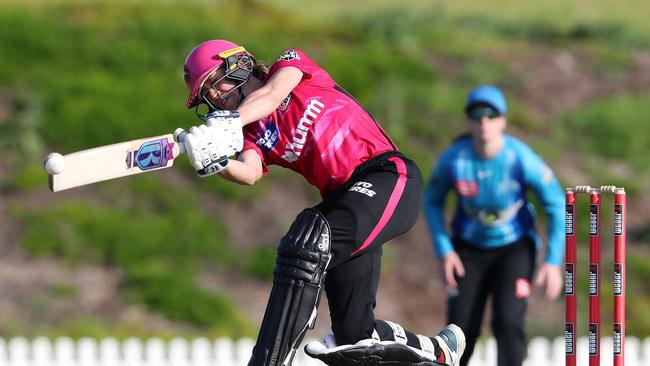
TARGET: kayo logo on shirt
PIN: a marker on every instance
(363, 187)
(270, 138)
(294, 149)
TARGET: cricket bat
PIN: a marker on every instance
(114, 161)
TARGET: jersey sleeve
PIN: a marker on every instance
(540, 178)
(250, 143)
(435, 195)
(298, 59)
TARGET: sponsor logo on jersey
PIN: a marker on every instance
(269, 138)
(482, 174)
(285, 103)
(466, 188)
(293, 149)
(288, 55)
(363, 187)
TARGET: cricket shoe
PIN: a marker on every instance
(368, 352)
(451, 341)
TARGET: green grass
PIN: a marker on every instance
(159, 254)
(615, 129)
(259, 262)
(539, 20)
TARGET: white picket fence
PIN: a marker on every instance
(225, 352)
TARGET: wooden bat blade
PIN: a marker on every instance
(115, 161)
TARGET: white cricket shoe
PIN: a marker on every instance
(452, 343)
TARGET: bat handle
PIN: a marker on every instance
(179, 137)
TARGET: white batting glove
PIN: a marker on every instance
(229, 126)
(207, 150)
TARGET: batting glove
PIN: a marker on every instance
(208, 150)
(229, 127)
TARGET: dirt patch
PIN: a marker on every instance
(45, 291)
(555, 80)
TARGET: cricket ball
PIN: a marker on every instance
(54, 163)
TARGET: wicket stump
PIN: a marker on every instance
(571, 265)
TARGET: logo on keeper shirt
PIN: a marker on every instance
(288, 55)
(270, 138)
(293, 150)
(466, 188)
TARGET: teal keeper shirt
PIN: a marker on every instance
(492, 207)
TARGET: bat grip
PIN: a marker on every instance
(179, 137)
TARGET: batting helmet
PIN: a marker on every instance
(207, 57)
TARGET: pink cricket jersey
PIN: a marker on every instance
(319, 130)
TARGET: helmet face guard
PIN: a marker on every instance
(239, 68)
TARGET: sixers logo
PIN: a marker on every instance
(288, 55)
(269, 137)
(285, 103)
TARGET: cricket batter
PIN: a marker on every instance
(295, 116)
